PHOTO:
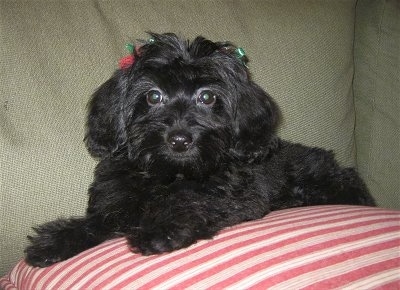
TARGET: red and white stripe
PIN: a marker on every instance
(323, 247)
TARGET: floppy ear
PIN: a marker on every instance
(256, 121)
(105, 127)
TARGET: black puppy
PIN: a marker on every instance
(186, 146)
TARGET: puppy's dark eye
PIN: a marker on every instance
(206, 98)
(154, 97)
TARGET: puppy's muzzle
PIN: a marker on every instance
(179, 141)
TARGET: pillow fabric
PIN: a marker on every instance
(322, 247)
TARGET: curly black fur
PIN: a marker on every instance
(186, 146)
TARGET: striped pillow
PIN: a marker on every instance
(321, 247)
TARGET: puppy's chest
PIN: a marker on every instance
(231, 182)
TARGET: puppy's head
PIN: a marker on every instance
(181, 105)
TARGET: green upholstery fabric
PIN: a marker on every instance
(53, 54)
(377, 98)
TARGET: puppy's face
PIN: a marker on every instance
(184, 107)
(180, 116)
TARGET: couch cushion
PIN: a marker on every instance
(55, 53)
(377, 97)
(321, 247)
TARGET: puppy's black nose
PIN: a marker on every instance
(179, 141)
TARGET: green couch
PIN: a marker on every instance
(332, 66)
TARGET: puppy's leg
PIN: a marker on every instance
(61, 239)
(318, 179)
(163, 239)
(179, 219)
(168, 231)
(345, 186)
(174, 218)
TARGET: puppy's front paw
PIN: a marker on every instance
(57, 241)
(159, 241)
(43, 252)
